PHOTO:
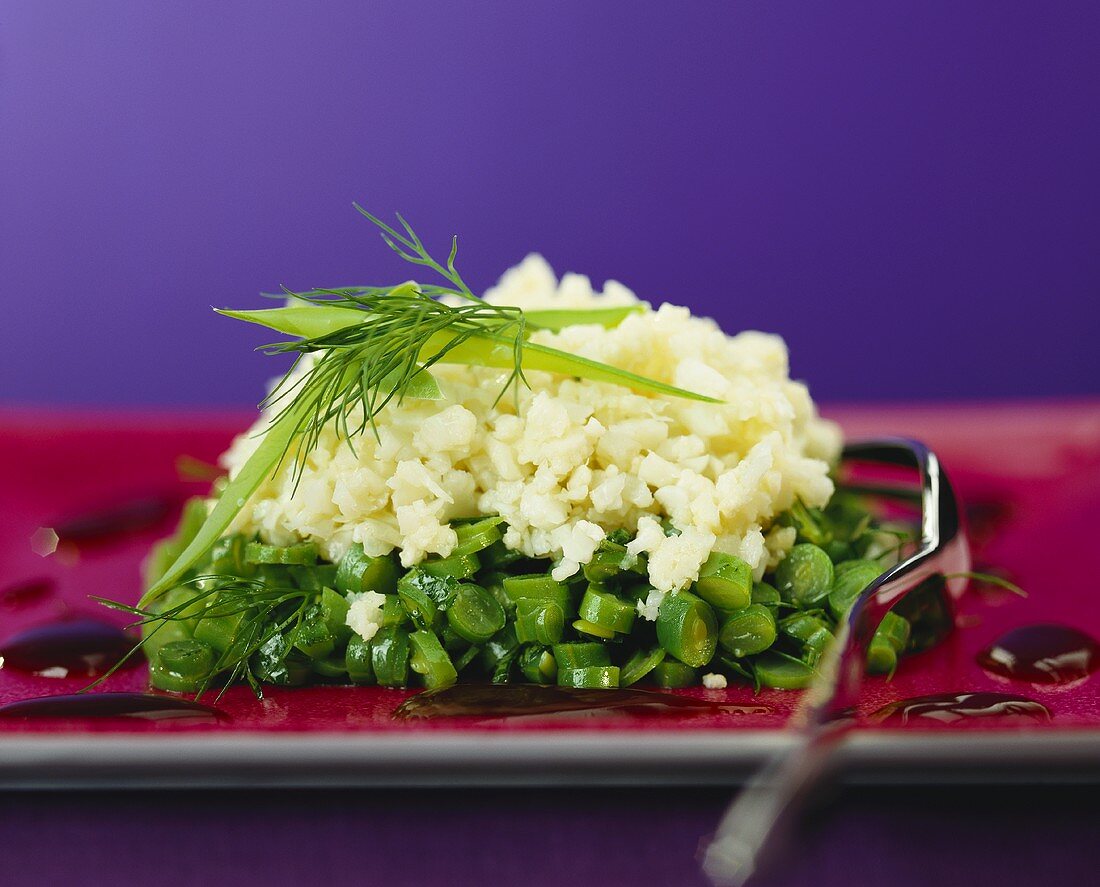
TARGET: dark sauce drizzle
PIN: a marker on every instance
(142, 706)
(1042, 654)
(525, 700)
(80, 647)
(951, 708)
(123, 519)
(30, 591)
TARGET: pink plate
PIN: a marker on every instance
(1029, 474)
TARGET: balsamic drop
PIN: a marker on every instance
(123, 519)
(144, 706)
(80, 647)
(1042, 654)
(524, 700)
(950, 708)
(23, 594)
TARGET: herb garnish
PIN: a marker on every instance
(369, 346)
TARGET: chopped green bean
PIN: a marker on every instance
(394, 612)
(782, 673)
(457, 566)
(475, 614)
(607, 611)
(594, 677)
(748, 631)
(812, 633)
(430, 661)
(333, 667)
(334, 611)
(313, 637)
(477, 536)
(581, 655)
(768, 595)
(361, 572)
(583, 626)
(299, 553)
(182, 666)
(358, 661)
(850, 579)
(538, 665)
(725, 582)
(640, 664)
(805, 575)
(672, 675)
(539, 587)
(390, 657)
(687, 628)
(540, 622)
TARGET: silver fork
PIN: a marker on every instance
(767, 808)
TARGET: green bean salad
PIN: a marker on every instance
(266, 614)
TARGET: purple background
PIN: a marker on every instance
(909, 193)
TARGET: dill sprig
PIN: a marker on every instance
(359, 349)
(268, 614)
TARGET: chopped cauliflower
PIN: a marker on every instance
(365, 613)
(714, 681)
(567, 461)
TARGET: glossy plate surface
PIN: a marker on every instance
(1028, 474)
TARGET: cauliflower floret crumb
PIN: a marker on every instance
(365, 613)
(714, 681)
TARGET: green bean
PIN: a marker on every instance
(181, 666)
(498, 654)
(607, 611)
(782, 673)
(748, 631)
(358, 661)
(430, 661)
(640, 664)
(539, 587)
(673, 675)
(361, 572)
(594, 677)
(299, 553)
(390, 657)
(312, 636)
(888, 642)
(609, 561)
(805, 575)
(581, 655)
(498, 555)
(812, 633)
(457, 566)
(850, 579)
(394, 612)
(541, 622)
(314, 578)
(468, 656)
(477, 536)
(334, 611)
(725, 582)
(687, 628)
(218, 631)
(538, 665)
(591, 629)
(768, 595)
(475, 615)
(332, 667)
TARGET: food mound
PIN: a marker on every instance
(546, 484)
